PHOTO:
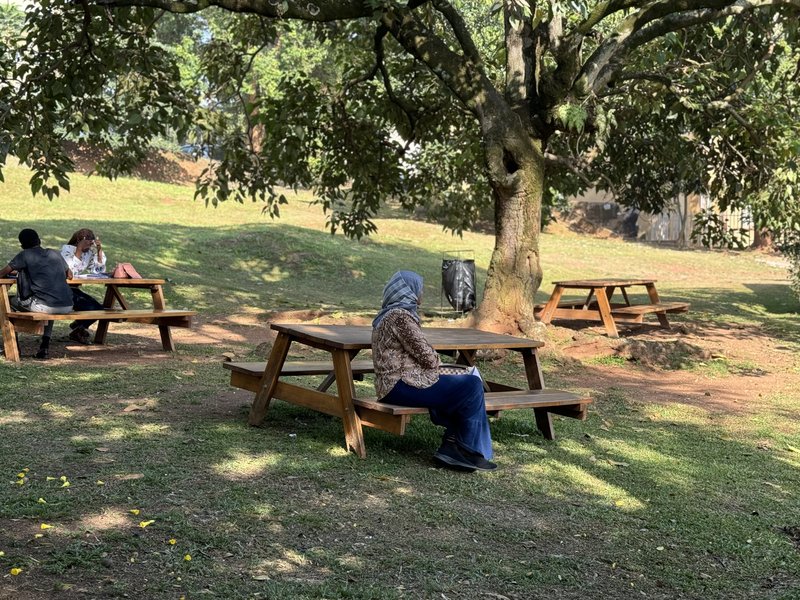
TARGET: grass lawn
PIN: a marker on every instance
(683, 483)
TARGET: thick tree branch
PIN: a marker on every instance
(463, 77)
(655, 21)
(520, 67)
(460, 30)
(306, 10)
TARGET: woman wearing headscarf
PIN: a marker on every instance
(84, 254)
(407, 374)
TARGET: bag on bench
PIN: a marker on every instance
(125, 271)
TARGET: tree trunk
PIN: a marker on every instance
(516, 172)
(762, 239)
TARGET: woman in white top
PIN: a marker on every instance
(83, 254)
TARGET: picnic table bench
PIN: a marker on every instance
(12, 322)
(344, 342)
(598, 305)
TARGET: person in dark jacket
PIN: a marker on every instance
(41, 283)
(407, 373)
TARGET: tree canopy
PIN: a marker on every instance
(456, 106)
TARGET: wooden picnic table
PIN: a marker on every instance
(32, 322)
(344, 342)
(598, 305)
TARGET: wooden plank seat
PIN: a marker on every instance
(34, 323)
(563, 304)
(248, 371)
(644, 309)
(171, 317)
(394, 418)
(298, 367)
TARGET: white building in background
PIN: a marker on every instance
(673, 225)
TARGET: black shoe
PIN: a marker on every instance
(477, 459)
(42, 354)
(450, 456)
(80, 335)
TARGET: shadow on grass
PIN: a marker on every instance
(269, 266)
(285, 509)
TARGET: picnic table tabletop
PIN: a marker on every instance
(359, 337)
(602, 282)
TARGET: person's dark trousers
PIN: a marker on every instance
(456, 402)
(83, 301)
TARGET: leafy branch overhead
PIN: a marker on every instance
(466, 109)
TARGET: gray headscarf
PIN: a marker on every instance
(402, 291)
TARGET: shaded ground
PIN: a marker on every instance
(322, 534)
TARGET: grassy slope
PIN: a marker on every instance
(643, 499)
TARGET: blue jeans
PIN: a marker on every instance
(455, 402)
(83, 301)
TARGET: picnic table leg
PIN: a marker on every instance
(587, 303)
(544, 422)
(466, 357)
(605, 312)
(654, 299)
(331, 377)
(533, 369)
(102, 326)
(160, 304)
(269, 380)
(10, 347)
(552, 304)
(353, 434)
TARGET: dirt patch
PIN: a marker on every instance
(668, 368)
(160, 166)
(671, 353)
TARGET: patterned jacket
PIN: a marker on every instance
(400, 351)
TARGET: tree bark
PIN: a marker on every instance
(515, 166)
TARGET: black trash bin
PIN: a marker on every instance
(458, 283)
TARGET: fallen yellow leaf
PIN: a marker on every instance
(98, 482)
(146, 523)
(134, 511)
(65, 484)
(21, 474)
(15, 571)
(42, 501)
(38, 535)
(187, 557)
(20, 482)
(48, 478)
(26, 469)
(173, 541)
(2, 553)
(63, 478)
(45, 526)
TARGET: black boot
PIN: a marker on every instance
(44, 349)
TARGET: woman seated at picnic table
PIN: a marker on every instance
(83, 254)
(41, 283)
(407, 374)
